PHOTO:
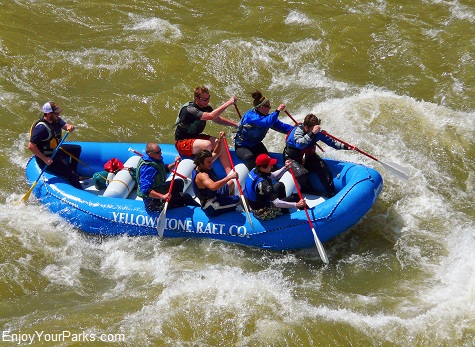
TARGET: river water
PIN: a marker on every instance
(396, 78)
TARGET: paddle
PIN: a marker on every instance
(393, 168)
(28, 193)
(244, 203)
(288, 114)
(237, 110)
(319, 245)
(162, 218)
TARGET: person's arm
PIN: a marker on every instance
(170, 167)
(147, 175)
(36, 151)
(224, 121)
(279, 126)
(264, 189)
(253, 117)
(156, 195)
(39, 133)
(288, 204)
(276, 175)
(331, 142)
(68, 127)
(204, 181)
(219, 145)
(213, 115)
(65, 126)
(302, 139)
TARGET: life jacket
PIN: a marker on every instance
(204, 194)
(186, 129)
(159, 178)
(48, 145)
(252, 180)
(293, 151)
(248, 134)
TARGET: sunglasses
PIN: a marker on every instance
(204, 99)
(159, 152)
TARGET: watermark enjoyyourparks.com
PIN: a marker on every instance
(30, 338)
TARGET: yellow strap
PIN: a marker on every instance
(125, 184)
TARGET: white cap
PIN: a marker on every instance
(51, 107)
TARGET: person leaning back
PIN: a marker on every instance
(300, 148)
(191, 122)
(45, 135)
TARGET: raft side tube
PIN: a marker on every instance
(123, 183)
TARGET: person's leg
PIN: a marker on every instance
(210, 144)
(178, 185)
(247, 157)
(305, 185)
(279, 189)
(222, 204)
(61, 169)
(153, 205)
(73, 150)
(200, 144)
(302, 176)
(182, 199)
(231, 186)
(179, 198)
(324, 175)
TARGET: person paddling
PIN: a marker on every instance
(191, 122)
(214, 193)
(253, 128)
(45, 135)
(266, 198)
(300, 148)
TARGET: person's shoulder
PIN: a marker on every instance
(299, 130)
(39, 126)
(191, 108)
(202, 173)
(190, 105)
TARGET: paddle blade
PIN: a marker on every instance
(244, 204)
(320, 249)
(28, 193)
(162, 220)
(397, 170)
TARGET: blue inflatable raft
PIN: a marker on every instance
(117, 210)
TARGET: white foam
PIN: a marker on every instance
(161, 29)
(296, 17)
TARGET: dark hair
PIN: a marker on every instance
(311, 120)
(258, 97)
(201, 156)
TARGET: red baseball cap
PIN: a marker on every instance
(265, 160)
